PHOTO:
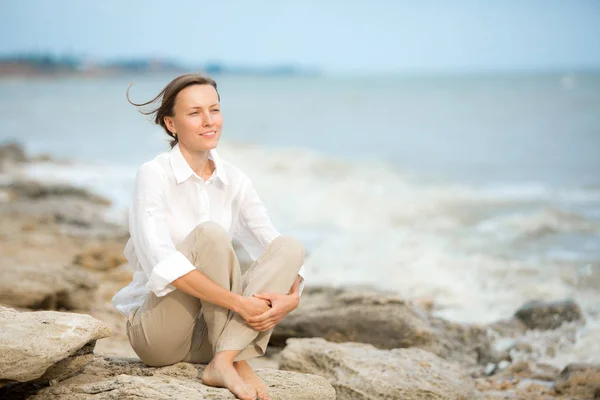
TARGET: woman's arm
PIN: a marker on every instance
(255, 233)
(199, 285)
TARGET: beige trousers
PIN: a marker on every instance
(179, 327)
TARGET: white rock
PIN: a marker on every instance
(33, 342)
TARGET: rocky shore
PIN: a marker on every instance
(61, 338)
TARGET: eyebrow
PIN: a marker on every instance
(212, 105)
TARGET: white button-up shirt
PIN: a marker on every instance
(169, 201)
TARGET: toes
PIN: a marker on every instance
(249, 396)
(249, 393)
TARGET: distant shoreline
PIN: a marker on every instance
(48, 66)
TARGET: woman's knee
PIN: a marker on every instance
(290, 247)
(213, 233)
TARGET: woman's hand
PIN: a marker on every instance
(252, 307)
(281, 305)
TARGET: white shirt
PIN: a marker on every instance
(169, 201)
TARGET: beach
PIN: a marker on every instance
(461, 199)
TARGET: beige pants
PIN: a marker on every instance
(178, 327)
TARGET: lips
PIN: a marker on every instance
(208, 134)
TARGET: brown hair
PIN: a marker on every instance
(167, 98)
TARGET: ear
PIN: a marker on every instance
(170, 124)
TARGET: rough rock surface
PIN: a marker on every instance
(101, 257)
(119, 378)
(32, 343)
(579, 381)
(383, 320)
(360, 371)
(78, 211)
(27, 189)
(77, 216)
(549, 315)
(50, 287)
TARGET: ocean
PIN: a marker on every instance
(480, 192)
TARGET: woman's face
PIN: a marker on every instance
(197, 119)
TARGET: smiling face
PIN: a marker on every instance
(197, 118)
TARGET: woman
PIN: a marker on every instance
(188, 300)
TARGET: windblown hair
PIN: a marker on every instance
(167, 98)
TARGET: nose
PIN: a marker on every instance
(207, 119)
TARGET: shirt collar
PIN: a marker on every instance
(183, 171)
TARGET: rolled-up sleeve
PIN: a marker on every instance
(255, 229)
(154, 248)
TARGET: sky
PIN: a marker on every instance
(332, 35)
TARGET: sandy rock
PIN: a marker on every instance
(508, 327)
(32, 343)
(530, 370)
(77, 217)
(116, 378)
(50, 287)
(383, 320)
(29, 189)
(101, 257)
(581, 381)
(549, 315)
(515, 389)
(360, 371)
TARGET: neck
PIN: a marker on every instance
(198, 161)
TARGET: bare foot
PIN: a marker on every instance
(222, 374)
(247, 373)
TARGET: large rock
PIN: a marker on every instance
(120, 378)
(362, 372)
(45, 345)
(11, 153)
(383, 320)
(580, 381)
(50, 287)
(29, 189)
(77, 211)
(549, 315)
(70, 211)
(102, 256)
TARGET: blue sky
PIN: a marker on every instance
(335, 35)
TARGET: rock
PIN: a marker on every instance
(101, 257)
(117, 378)
(50, 287)
(383, 320)
(45, 345)
(503, 364)
(490, 369)
(512, 327)
(361, 371)
(581, 381)
(504, 345)
(530, 370)
(36, 190)
(526, 389)
(549, 315)
(77, 216)
(11, 153)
